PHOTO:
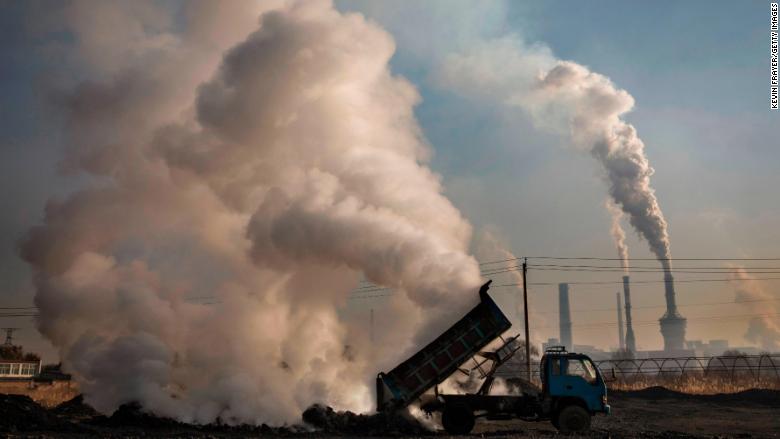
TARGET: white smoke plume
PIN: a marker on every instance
(763, 329)
(269, 163)
(491, 248)
(567, 98)
(618, 234)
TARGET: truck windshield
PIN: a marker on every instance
(581, 368)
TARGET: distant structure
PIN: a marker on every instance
(9, 336)
(565, 316)
(621, 337)
(630, 340)
(672, 323)
(714, 347)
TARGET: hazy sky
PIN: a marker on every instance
(698, 71)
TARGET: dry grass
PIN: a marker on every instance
(45, 394)
(697, 383)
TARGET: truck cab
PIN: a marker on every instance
(571, 380)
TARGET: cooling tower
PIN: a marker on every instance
(621, 337)
(672, 323)
(565, 315)
(630, 341)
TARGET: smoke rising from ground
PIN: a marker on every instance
(764, 329)
(266, 164)
(567, 98)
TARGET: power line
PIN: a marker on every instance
(611, 267)
(634, 282)
(369, 297)
(664, 306)
(371, 288)
(691, 271)
(586, 258)
(595, 269)
(555, 267)
(583, 258)
(598, 325)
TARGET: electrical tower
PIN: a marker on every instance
(9, 336)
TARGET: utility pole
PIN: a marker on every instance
(525, 311)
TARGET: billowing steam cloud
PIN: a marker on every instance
(618, 234)
(490, 248)
(565, 97)
(763, 329)
(269, 166)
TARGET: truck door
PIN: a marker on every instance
(579, 379)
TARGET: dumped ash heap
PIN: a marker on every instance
(672, 323)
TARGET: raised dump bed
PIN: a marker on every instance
(441, 358)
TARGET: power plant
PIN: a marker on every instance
(672, 323)
(630, 340)
(565, 315)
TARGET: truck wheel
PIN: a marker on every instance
(457, 419)
(573, 419)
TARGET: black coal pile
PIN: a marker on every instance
(760, 397)
(131, 415)
(75, 409)
(19, 413)
(380, 424)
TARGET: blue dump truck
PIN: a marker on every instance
(572, 391)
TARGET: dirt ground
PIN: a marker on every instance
(649, 413)
(660, 413)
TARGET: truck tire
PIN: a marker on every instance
(457, 419)
(572, 419)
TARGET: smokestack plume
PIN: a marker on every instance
(621, 336)
(671, 301)
(567, 98)
(764, 326)
(564, 315)
(630, 341)
(618, 234)
(672, 323)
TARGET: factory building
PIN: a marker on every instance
(19, 369)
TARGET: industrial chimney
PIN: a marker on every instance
(621, 338)
(672, 323)
(630, 341)
(565, 316)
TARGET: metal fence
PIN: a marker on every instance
(737, 366)
(716, 374)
